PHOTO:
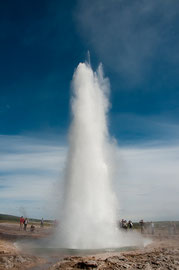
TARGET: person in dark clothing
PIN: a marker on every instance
(42, 223)
(25, 224)
(130, 224)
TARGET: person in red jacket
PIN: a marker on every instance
(21, 222)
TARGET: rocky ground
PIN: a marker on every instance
(10, 256)
(162, 253)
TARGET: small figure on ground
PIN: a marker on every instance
(21, 222)
(152, 228)
(122, 223)
(32, 228)
(25, 224)
(141, 222)
(42, 223)
(130, 224)
(125, 225)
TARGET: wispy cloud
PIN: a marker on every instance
(148, 187)
(128, 35)
(30, 170)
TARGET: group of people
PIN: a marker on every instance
(124, 224)
(149, 227)
(24, 222)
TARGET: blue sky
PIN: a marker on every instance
(41, 43)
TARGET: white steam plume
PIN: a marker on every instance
(89, 212)
(89, 218)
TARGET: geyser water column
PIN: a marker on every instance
(89, 218)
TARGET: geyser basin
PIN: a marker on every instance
(71, 252)
(38, 248)
(46, 246)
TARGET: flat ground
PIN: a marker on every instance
(162, 253)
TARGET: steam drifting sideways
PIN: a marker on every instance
(89, 216)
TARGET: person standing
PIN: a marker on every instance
(130, 224)
(141, 226)
(42, 223)
(21, 222)
(25, 224)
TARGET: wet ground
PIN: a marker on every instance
(162, 253)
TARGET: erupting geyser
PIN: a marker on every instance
(89, 211)
(88, 217)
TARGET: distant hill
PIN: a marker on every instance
(8, 217)
(4, 217)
